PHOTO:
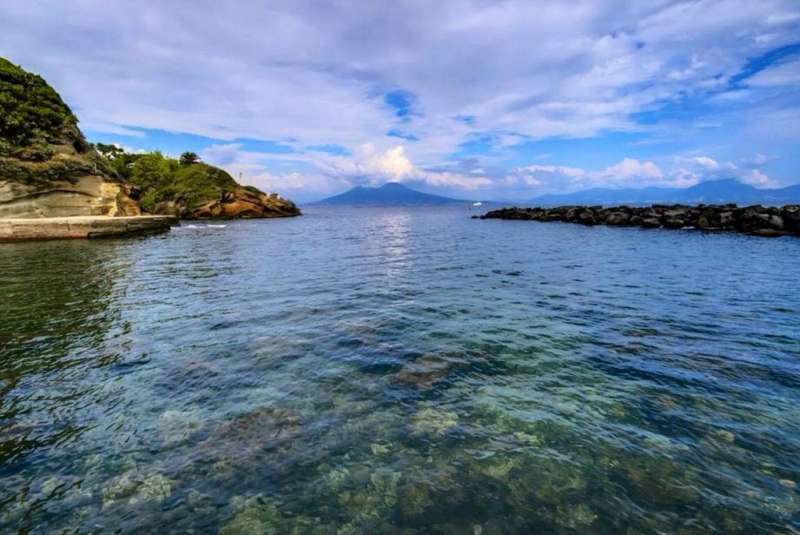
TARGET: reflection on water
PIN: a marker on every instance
(400, 371)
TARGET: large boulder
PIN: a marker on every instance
(47, 169)
(618, 218)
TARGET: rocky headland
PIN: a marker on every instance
(190, 189)
(756, 220)
(49, 174)
(47, 169)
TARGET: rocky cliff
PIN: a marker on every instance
(47, 169)
(190, 189)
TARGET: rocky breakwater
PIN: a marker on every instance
(756, 220)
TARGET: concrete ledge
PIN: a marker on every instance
(54, 228)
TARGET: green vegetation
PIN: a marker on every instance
(40, 141)
(162, 178)
(188, 158)
(32, 116)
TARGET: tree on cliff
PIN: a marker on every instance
(189, 158)
(109, 151)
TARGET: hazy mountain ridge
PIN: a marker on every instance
(389, 194)
(717, 191)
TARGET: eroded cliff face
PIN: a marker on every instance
(47, 169)
(86, 195)
(239, 204)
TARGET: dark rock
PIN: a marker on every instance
(586, 218)
(618, 218)
(756, 220)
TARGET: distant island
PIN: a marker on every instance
(389, 194)
(50, 175)
(710, 192)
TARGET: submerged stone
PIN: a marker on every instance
(433, 422)
(423, 372)
(133, 488)
(255, 431)
(262, 516)
(176, 427)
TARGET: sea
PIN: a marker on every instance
(405, 370)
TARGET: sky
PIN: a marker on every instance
(477, 99)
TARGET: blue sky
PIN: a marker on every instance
(487, 100)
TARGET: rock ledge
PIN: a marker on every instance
(52, 228)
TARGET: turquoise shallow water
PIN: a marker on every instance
(401, 371)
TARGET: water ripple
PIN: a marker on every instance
(388, 371)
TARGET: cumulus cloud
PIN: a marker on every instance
(328, 173)
(703, 168)
(706, 162)
(630, 172)
(630, 169)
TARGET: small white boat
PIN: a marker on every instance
(477, 203)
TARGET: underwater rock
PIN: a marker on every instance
(575, 517)
(368, 505)
(379, 449)
(423, 372)
(250, 433)
(260, 439)
(414, 498)
(261, 515)
(176, 427)
(498, 467)
(528, 439)
(256, 517)
(724, 435)
(132, 488)
(435, 422)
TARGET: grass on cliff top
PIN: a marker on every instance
(167, 179)
(33, 112)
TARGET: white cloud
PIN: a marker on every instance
(755, 177)
(559, 169)
(629, 169)
(706, 162)
(393, 164)
(702, 168)
(756, 159)
(784, 74)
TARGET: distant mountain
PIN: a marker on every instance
(712, 192)
(390, 194)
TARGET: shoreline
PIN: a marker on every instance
(83, 227)
(757, 220)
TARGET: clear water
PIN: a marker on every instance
(401, 371)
